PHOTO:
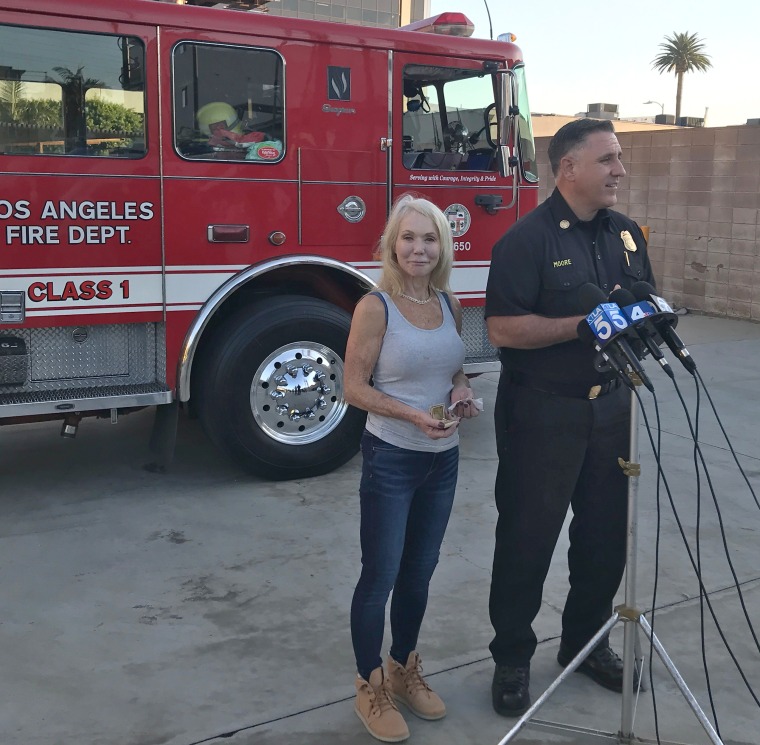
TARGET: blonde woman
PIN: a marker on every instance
(404, 357)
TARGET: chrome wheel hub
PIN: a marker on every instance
(297, 393)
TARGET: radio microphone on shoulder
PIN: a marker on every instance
(637, 313)
(665, 321)
(609, 329)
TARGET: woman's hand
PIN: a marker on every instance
(435, 429)
(461, 400)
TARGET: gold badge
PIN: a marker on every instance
(564, 224)
(628, 242)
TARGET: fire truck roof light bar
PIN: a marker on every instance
(449, 24)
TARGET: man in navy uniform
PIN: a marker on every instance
(560, 424)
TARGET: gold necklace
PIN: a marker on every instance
(414, 299)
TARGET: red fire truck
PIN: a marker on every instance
(191, 198)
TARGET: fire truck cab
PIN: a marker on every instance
(191, 200)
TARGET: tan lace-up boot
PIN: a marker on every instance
(408, 685)
(377, 710)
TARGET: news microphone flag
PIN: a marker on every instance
(606, 321)
(665, 321)
(638, 315)
(609, 328)
(637, 311)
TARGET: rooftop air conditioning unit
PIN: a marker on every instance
(607, 108)
(690, 121)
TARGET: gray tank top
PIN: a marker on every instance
(416, 366)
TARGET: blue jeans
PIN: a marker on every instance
(406, 499)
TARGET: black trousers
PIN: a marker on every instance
(556, 452)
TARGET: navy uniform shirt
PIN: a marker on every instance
(538, 266)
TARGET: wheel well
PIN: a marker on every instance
(321, 282)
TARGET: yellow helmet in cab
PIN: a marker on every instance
(218, 114)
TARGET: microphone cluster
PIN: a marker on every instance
(624, 328)
(629, 325)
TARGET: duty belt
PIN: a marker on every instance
(561, 388)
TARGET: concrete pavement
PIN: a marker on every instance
(203, 606)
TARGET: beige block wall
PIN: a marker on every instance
(698, 190)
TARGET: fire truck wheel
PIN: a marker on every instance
(270, 389)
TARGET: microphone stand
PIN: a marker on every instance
(632, 619)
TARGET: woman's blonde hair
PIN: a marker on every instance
(392, 278)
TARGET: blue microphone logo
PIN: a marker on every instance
(638, 311)
(606, 321)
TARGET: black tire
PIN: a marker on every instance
(270, 388)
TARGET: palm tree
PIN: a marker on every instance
(681, 53)
(12, 93)
(74, 87)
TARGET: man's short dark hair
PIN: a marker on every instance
(573, 134)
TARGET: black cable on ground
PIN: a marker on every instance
(658, 453)
(724, 540)
(702, 644)
(693, 563)
(728, 441)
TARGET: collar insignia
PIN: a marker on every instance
(564, 224)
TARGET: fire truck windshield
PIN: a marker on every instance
(526, 144)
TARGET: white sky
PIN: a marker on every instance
(592, 51)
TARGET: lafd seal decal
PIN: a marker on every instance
(459, 219)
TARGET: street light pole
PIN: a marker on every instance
(661, 105)
(490, 25)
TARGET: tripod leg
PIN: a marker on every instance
(639, 660)
(629, 663)
(632, 470)
(679, 681)
(576, 661)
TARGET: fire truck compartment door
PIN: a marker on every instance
(342, 197)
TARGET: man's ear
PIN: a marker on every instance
(567, 167)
